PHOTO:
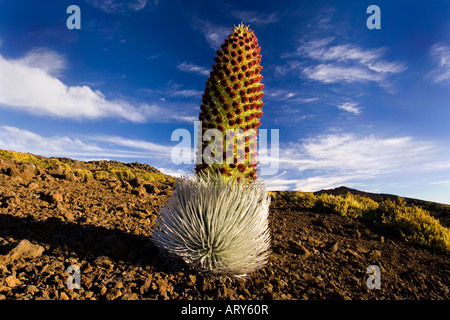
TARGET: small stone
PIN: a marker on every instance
(104, 261)
(56, 197)
(4, 289)
(113, 294)
(334, 247)
(69, 176)
(25, 250)
(152, 189)
(136, 182)
(32, 289)
(156, 190)
(130, 296)
(192, 279)
(12, 281)
(12, 172)
(63, 296)
(351, 253)
(162, 286)
(33, 185)
(375, 254)
(103, 290)
(298, 248)
(119, 284)
(69, 216)
(28, 171)
(140, 191)
(57, 170)
(361, 249)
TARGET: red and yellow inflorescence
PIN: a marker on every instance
(232, 101)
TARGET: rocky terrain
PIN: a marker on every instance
(51, 218)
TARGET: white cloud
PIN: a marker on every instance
(83, 147)
(257, 18)
(332, 73)
(335, 159)
(327, 182)
(368, 154)
(192, 68)
(118, 6)
(287, 96)
(187, 93)
(445, 182)
(29, 84)
(174, 173)
(350, 107)
(343, 63)
(214, 35)
(16, 139)
(150, 147)
(318, 50)
(441, 54)
(45, 59)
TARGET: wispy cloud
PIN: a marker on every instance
(17, 139)
(288, 96)
(445, 182)
(44, 59)
(193, 68)
(441, 54)
(350, 107)
(31, 84)
(173, 172)
(120, 6)
(187, 93)
(83, 147)
(257, 18)
(334, 159)
(214, 34)
(329, 63)
(136, 144)
(333, 73)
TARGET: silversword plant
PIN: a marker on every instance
(216, 225)
(217, 220)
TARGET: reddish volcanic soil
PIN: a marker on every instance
(50, 220)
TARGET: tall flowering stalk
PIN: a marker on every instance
(216, 221)
(232, 105)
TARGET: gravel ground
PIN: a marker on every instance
(50, 220)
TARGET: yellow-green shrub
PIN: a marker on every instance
(350, 205)
(415, 225)
(118, 171)
(307, 199)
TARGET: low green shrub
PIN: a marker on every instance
(350, 205)
(94, 169)
(413, 224)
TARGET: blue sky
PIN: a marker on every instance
(368, 109)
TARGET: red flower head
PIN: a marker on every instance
(236, 72)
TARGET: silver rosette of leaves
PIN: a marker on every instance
(216, 225)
